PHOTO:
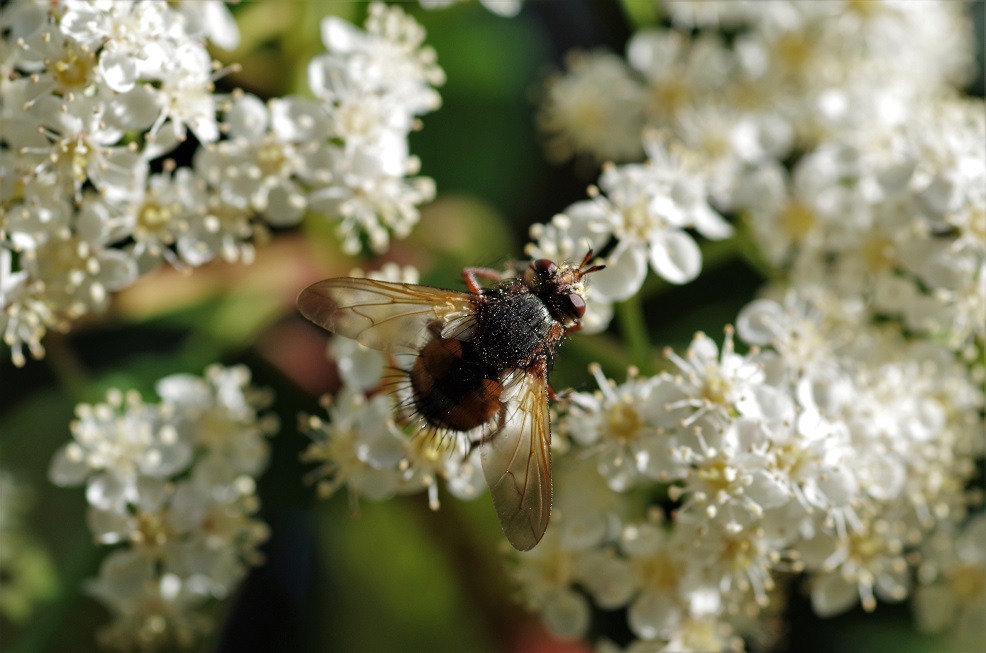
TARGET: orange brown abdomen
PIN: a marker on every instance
(452, 388)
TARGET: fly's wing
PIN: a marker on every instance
(382, 314)
(517, 463)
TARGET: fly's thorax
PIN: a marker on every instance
(512, 327)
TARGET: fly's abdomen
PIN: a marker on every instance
(452, 388)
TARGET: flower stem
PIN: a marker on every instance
(66, 366)
(633, 329)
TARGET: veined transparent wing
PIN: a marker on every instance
(381, 314)
(517, 463)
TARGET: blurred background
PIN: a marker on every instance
(396, 576)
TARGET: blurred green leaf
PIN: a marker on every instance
(402, 579)
(642, 13)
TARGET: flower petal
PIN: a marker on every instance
(675, 256)
(623, 276)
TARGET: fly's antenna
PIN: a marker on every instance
(583, 270)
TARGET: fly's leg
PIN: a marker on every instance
(471, 276)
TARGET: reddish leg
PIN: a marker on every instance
(471, 277)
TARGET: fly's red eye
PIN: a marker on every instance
(576, 304)
(544, 267)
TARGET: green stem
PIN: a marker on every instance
(67, 367)
(748, 249)
(633, 329)
(630, 314)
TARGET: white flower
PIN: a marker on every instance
(77, 273)
(167, 484)
(897, 225)
(62, 272)
(373, 85)
(359, 447)
(116, 443)
(595, 109)
(213, 20)
(723, 384)
(26, 315)
(952, 594)
(218, 532)
(126, 34)
(831, 450)
(163, 213)
(645, 208)
(724, 13)
(369, 199)
(143, 523)
(586, 518)
(84, 146)
(61, 65)
(547, 575)
(669, 583)
(429, 457)
(862, 567)
(391, 56)
(150, 610)
(588, 513)
(805, 328)
(624, 427)
(359, 366)
(269, 150)
(361, 117)
(187, 93)
(679, 73)
(220, 416)
(96, 91)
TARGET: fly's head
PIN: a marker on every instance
(561, 287)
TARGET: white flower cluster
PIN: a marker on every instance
(831, 127)
(640, 215)
(838, 451)
(370, 444)
(899, 225)
(788, 75)
(172, 487)
(97, 93)
(373, 85)
(92, 93)
(832, 449)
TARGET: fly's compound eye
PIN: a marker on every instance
(575, 304)
(544, 267)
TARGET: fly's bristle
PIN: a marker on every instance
(392, 380)
(440, 438)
